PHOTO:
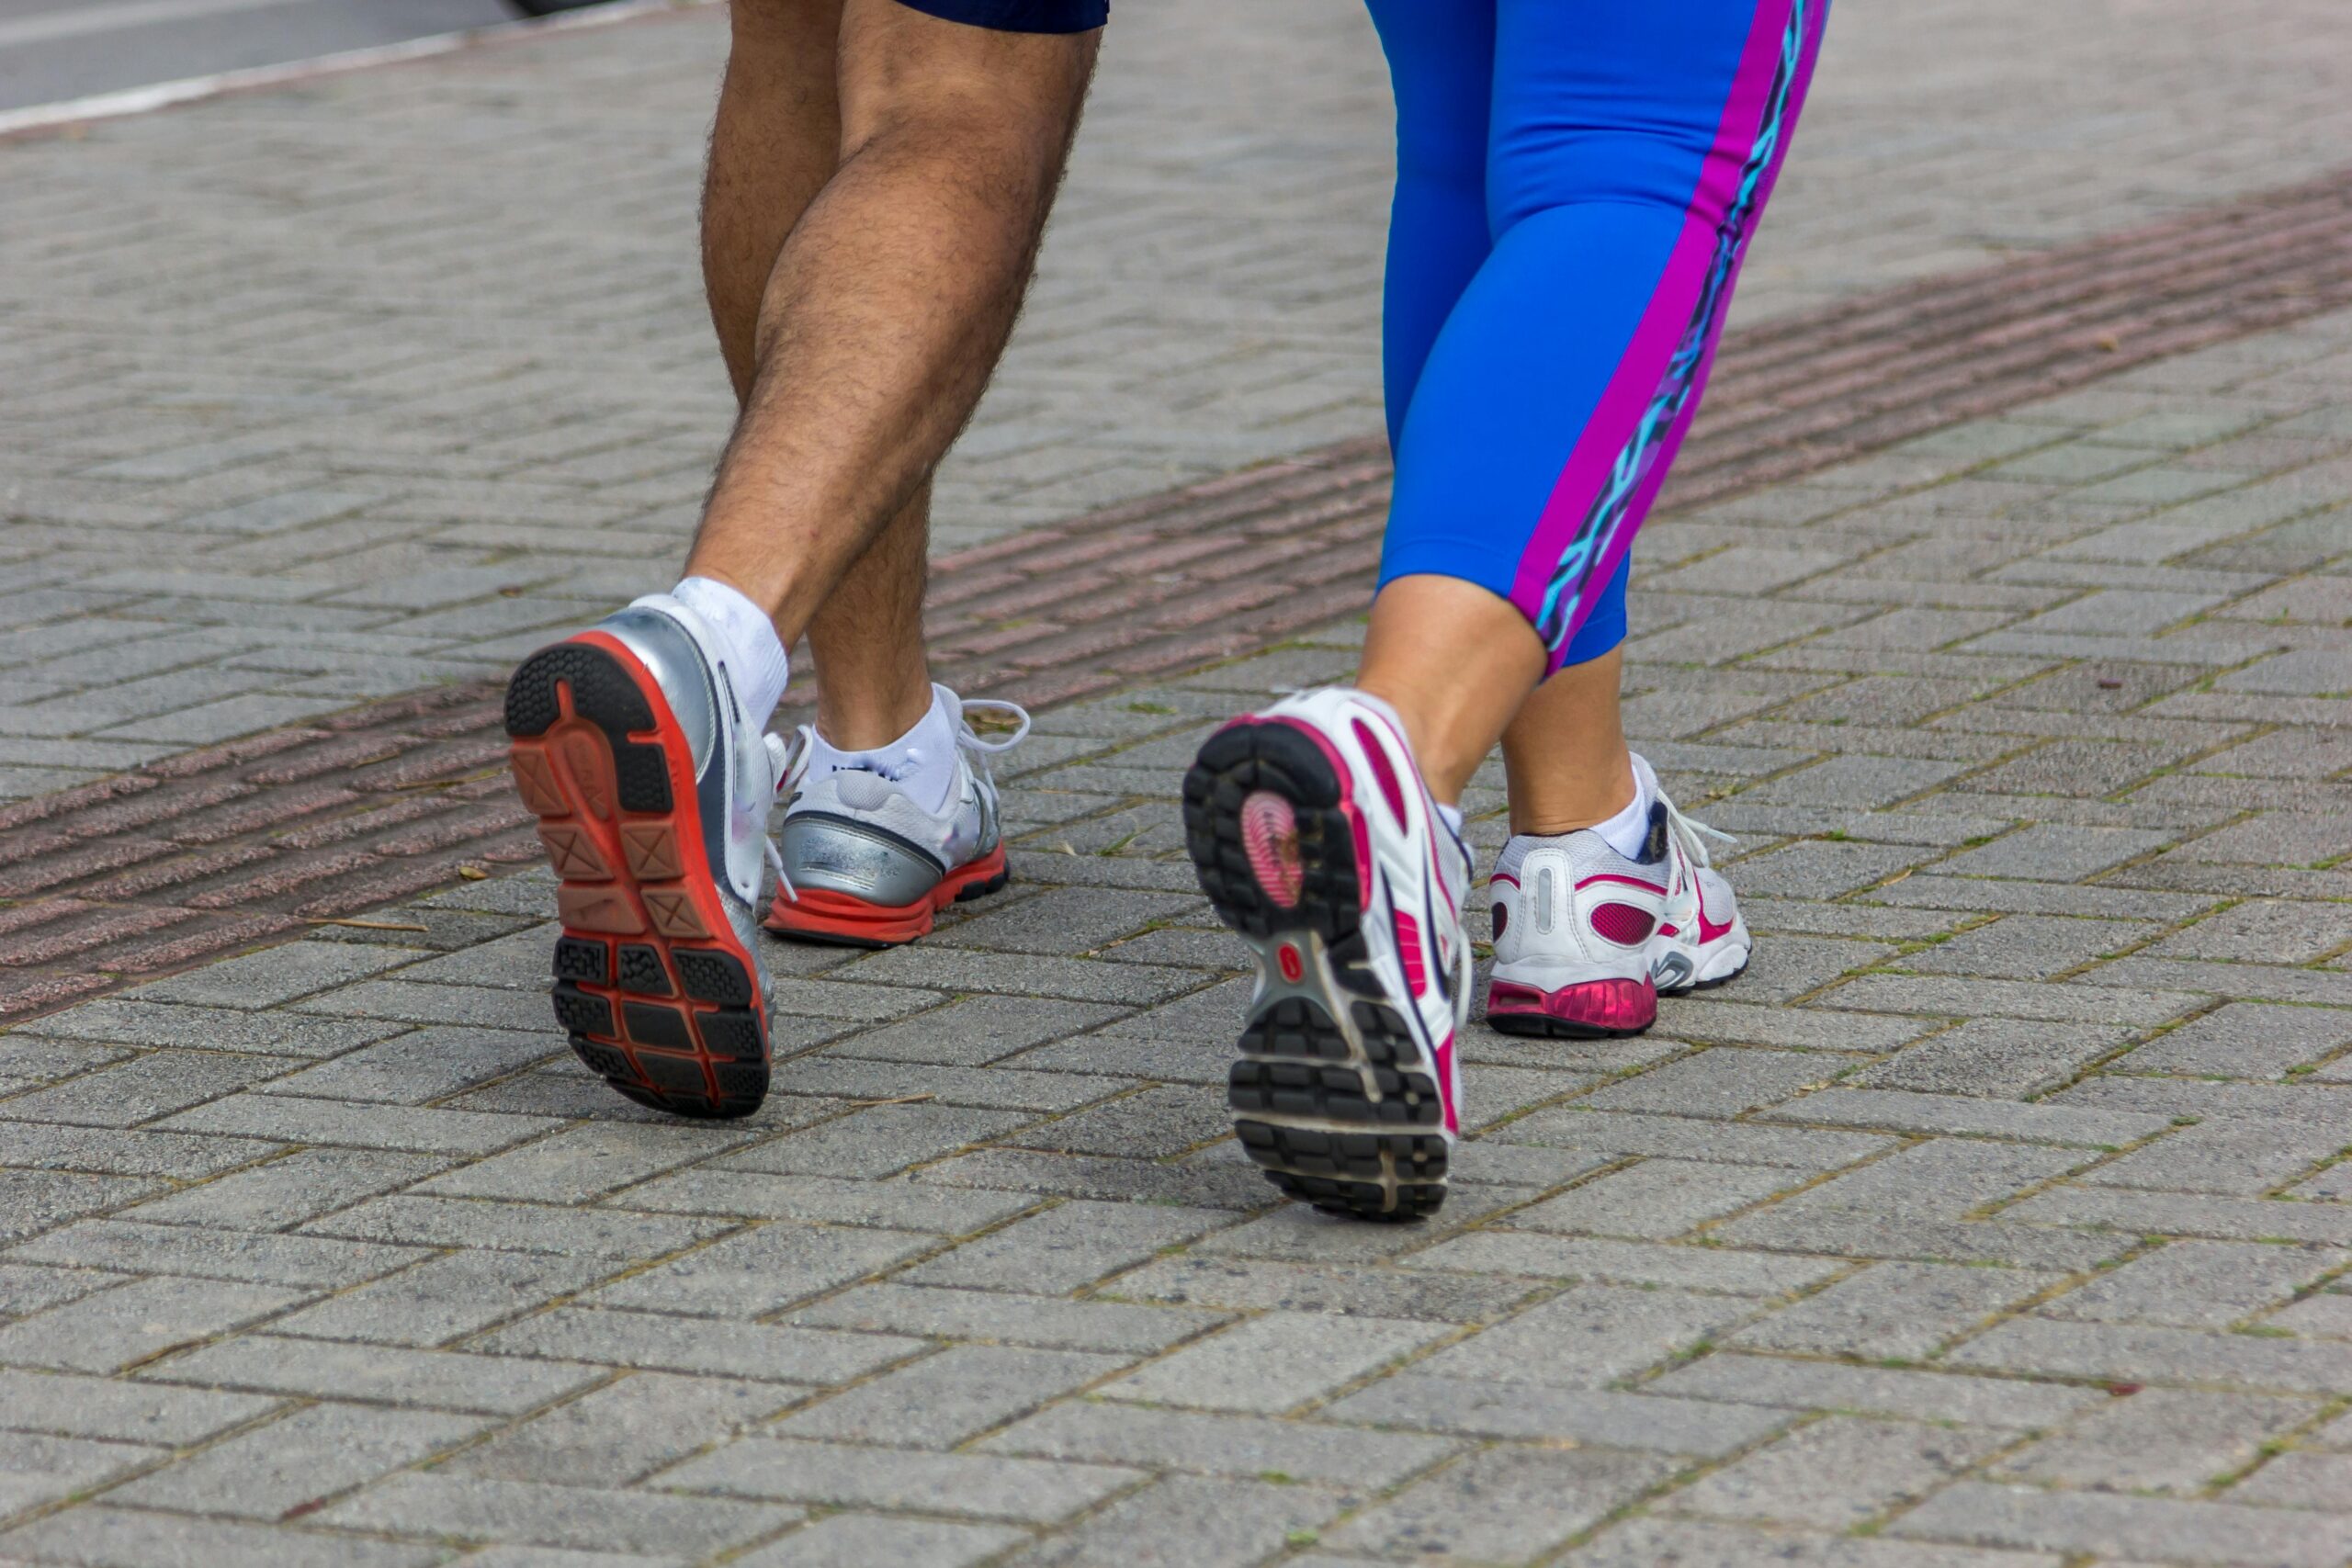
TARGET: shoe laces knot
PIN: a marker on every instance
(982, 747)
(1690, 834)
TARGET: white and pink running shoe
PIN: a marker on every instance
(1317, 841)
(1585, 938)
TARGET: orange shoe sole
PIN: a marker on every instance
(822, 915)
(660, 998)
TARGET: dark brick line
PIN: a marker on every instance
(253, 842)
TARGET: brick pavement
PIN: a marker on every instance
(213, 849)
(1995, 1220)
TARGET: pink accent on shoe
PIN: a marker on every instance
(1384, 772)
(1623, 924)
(1293, 966)
(1347, 796)
(1270, 838)
(1618, 1006)
(1408, 943)
(1622, 882)
(1445, 1085)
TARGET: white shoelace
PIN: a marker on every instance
(790, 759)
(1687, 832)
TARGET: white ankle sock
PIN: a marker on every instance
(1450, 816)
(923, 760)
(1626, 832)
(746, 641)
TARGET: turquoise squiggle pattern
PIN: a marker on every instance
(1572, 578)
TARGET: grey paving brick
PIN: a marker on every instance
(1658, 1198)
(1906, 1111)
(444, 1298)
(2187, 1213)
(2245, 1040)
(622, 1432)
(854, 1541)
(1996, 1057)
(720, 1348)
(1903, 1310)
(37, 1200)
(36, 1469)
(2157, 1439)
(1720, 1082)
(1273, 1362)
(1474, 1407)
(120, 1412)
(102, 1537)
(876, 1141)
(1072, 1244)
(1222, 1524)
(1876, 1391)
(136, 1321)
(285, 1192)
(894, 1205)
(420, 1065)
(1840, 1473)
(944, 1399)
(2134, 1351)
(1001, 1317)
(1616, 1133)
(1260, 1283)
(255, 1256)
(338, 1124)
(2300, 1480)
(436, 1379)
(1626, 1263)
(275, 974)
(501, 1226)
(1505, 1505)
(2118, 1527)
(2198, 1284)
(1690, 1543)
(1615, 1333)
(977, 1030)
(142, 1088)
(1943, 1178)
(755, 1272)
(984, 1485)
(433, 1504)
(309, 1454)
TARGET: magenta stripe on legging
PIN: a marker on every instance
(1666, 325)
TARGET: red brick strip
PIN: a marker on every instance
(256, 842)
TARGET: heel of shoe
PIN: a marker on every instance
(649, 988)
(1330, 1095)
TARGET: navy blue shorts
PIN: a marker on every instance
(1021, 16)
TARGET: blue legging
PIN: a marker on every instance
(1575, 184)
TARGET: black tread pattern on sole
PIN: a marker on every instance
(633, 1030)
(1297, 1061)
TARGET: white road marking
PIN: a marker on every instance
(83, 20)
(163, 95)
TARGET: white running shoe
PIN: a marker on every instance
(862, 865)
(1316, 838)
(1585, 938)
(652, 790)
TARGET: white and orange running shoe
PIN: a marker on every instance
(1316, 838)
(1585, 938)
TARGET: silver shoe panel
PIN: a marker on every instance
(826, 851)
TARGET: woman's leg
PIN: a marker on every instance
(1631, 148)
(1442, 68)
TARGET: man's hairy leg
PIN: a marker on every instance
(777, 141)
(890, 299)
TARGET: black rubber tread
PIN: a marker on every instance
(582, 959)
(965, 895)
(1343, 1172)
(731, 1033)
(1332, 1094)
(641, 971)
(650, 1024)
(579, 1011)
(714, 978)
(1236, 762)
(1296, 1061)
(604, 692)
